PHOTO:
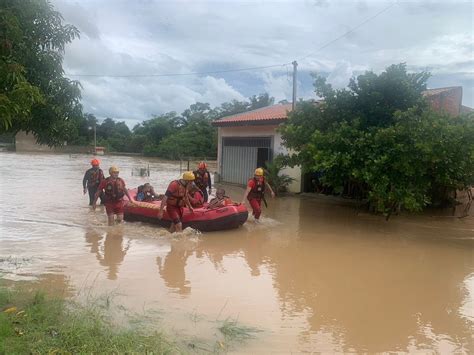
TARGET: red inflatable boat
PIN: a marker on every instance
(202, 219)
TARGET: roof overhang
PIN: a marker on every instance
(267, 122)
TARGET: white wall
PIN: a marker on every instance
(259, 131)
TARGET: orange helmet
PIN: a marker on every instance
(202, 165)
(95, 162)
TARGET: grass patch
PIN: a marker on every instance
(31, 322)
(232, 330)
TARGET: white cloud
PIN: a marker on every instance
(340, 75)
(156, 37)
(216, 91)
(122, 99)
(279, 86)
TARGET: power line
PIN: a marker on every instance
(179, 74)
(350, 31)
(238, 69)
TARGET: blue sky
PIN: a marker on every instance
(161, 37)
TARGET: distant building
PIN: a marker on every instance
(247, 140)
(26, 142)
(448, 100)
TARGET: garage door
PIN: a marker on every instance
(240, 157)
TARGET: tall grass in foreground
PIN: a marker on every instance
(30, 322)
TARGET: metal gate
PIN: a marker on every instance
(241, 155)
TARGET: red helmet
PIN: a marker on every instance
(202, 165)
(95, 162)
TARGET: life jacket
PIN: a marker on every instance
(178, 193)
(202, 179)
(197, 199)
(114, 189)
(95, 177)
(258, 190)
(224, 201)
(228, 201)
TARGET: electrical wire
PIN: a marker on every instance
(350, 31)
(178, 74)
(238, 69)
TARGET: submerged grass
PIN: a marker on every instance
(232, 330)
(31, 322)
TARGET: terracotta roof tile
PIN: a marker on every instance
(466, 109)
(431, 92)
(265, 115)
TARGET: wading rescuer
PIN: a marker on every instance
(92, 178)
(203, 180)
(114, 190)
(176, 197)
(255, 192)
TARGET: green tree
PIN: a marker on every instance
(198, 110)
(372, 99)
(378, 140)
(116, 136)
(262, 100)
(231, 108)
(84, 130)
(234, 107)
(197, 139)
(34, 94)
(169, 135)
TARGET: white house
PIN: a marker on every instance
(247, 140)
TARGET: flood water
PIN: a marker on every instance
(314, 275)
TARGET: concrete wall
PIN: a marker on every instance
(448, 100)
(259, 131)
(26, 142)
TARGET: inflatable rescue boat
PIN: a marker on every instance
(202, 219)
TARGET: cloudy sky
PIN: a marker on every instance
(152, 37)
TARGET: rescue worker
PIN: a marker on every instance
(176, 197)
(195, 195)
(146, 193)
(203, 180)
(92, 178)
(255, 192)
(220, 200)
(115, 189)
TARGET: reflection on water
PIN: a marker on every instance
(172, 268)
(112, 252)
(313, 275)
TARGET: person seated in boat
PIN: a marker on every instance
(220, 200)
(146, 193)
(195, 196)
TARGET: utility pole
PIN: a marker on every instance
(95, 138)
(293, 104)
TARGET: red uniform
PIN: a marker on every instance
(176, 194)
(255, 195)
(114, 192)
(196, 199)
(203, 181)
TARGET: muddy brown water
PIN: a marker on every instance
(314, 275)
